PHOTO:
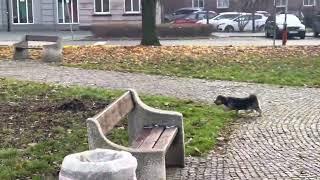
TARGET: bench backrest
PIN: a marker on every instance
(42, 38)
(115, 112)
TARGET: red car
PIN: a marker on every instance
(194, 17)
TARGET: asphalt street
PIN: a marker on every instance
(218, 39)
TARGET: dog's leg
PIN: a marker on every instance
(259, 111)
(249, 111)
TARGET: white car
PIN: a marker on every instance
(243, 23)
(222, 16)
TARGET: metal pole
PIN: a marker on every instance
(8, 16)
(207, 16)
(285, 30)
(253, 22)
(71, 19)
(275, 23)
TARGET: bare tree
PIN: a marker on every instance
(252, 6)
(242, 22)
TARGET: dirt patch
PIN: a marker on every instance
(74, 105)
(31, 121)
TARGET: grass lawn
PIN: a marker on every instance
(292, 65)
(40, 124)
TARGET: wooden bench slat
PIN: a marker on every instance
(142, 136)
(116, 111)
(166, 138)
(152, 138)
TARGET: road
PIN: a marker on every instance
(218, 39)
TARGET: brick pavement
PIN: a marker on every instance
(282, 144)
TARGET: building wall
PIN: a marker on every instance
(45, 15)
(3, 16)
(117, 14)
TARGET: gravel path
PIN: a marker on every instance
(282, 144)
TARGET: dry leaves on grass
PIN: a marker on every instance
(158, 55)
(165, 54)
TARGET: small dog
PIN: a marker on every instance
(232, 103)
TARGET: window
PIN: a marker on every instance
(132, 6)
(67, 11)
(198, 3)
(204, 16)
(309, 2)
(257, 17)
(22, 11)
(281, 3)
(222, 4)
(101, 6)
(243, 18)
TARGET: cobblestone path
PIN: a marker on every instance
(282, 144)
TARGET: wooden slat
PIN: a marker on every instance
(41, 38)
(142, 136)
(116, 111)
(152, 138)
(166, 138)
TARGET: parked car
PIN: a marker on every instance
(265, 13)
(316, 25)
(243, 23)
(180, 13)
(222, 16)
(195, 17)
(294, 26)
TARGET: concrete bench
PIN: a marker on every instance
(51, 52)
(156, 136)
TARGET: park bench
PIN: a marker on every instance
(156, 136)
(50, 52)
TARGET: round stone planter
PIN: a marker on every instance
(99, 164)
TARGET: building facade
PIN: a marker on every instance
(60, 14)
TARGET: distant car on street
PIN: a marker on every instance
(222, 16)
(265, 13)
(294, 26)
(243, 23)
(180, 13)
(195, 17)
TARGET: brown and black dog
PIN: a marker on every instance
(232, 103)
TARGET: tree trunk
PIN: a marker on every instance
(149, 32)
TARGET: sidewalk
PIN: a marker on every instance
(282, 144)
(218, 39)
(246, 34)
(65, 35)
